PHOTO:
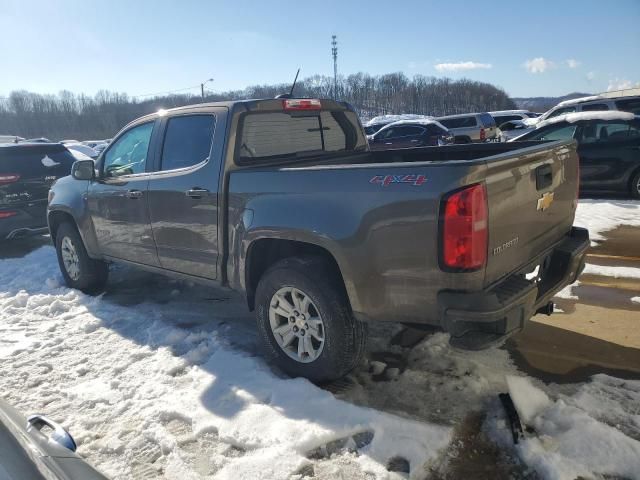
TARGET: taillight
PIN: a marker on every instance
(7, 214)
(8, 178)
(301, 104)
(465, 229)
(483, 135)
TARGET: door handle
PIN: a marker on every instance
(388, 143)
(197, 192)
(133, 194)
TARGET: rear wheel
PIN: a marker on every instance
(305, 321)
(635, 186)
(78, 269)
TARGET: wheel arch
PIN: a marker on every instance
(265, 252)
(632, 177)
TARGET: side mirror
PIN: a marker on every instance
(83, 170)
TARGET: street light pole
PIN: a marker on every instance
(202, 87)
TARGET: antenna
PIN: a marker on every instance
(294, 83)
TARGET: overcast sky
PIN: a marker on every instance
(542, 48)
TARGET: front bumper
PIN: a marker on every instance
(479, 320)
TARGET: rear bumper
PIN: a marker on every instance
(25, 222)
(481, 319)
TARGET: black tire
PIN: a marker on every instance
(93, 274)
(344, 337)
(634, 188)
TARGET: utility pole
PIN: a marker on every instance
(202, 87)
(334, 52)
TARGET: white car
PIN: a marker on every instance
(626, 101)
(514, 128)
(10, 139)
(85, 150)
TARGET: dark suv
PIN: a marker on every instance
(27, 171)
(410, 133)
(609, 149)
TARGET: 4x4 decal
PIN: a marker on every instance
(386, 180)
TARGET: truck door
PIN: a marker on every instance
(117, 200)
(183, 192)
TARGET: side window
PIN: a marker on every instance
(595, 107)
(598, 132)
(555, 132)
(629, 105)
(562, 111)
(187, 141)
(388, 133)
(410, 131)
(128, 155)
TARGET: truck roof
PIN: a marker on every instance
(250, 104)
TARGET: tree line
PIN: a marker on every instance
(78, 116)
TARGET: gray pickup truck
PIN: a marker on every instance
(282, 200)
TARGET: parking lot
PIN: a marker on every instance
(148, 338)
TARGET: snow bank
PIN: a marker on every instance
(600, 216)
(528, 400)
(173, 388)
(394, 118)
(575, 101)
(594, 432)
(593, 115)
(615, 272)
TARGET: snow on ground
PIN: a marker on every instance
(146, 397)
(601, 216)
(615, 272)
(160, 379)
(594, 431)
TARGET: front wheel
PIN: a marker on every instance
(78, 269)
(635, 186)
(305, 321)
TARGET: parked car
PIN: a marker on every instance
(282, 200)
(594, 103)
(26, 173)
(376, 123)
(504, 116)
(83, 149)
(10, 139)
(513, 129)
(410, 133)
(608, 147)
(100, 147)
(470, 127)
(37, 448)
(37, 140)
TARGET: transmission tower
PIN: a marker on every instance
(334, 52)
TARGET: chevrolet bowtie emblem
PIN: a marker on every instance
(545, 201)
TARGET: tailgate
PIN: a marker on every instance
(532, 199)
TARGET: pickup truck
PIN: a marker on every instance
(281, 199)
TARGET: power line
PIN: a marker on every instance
(165, 93)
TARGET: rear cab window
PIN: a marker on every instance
(285, 135)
